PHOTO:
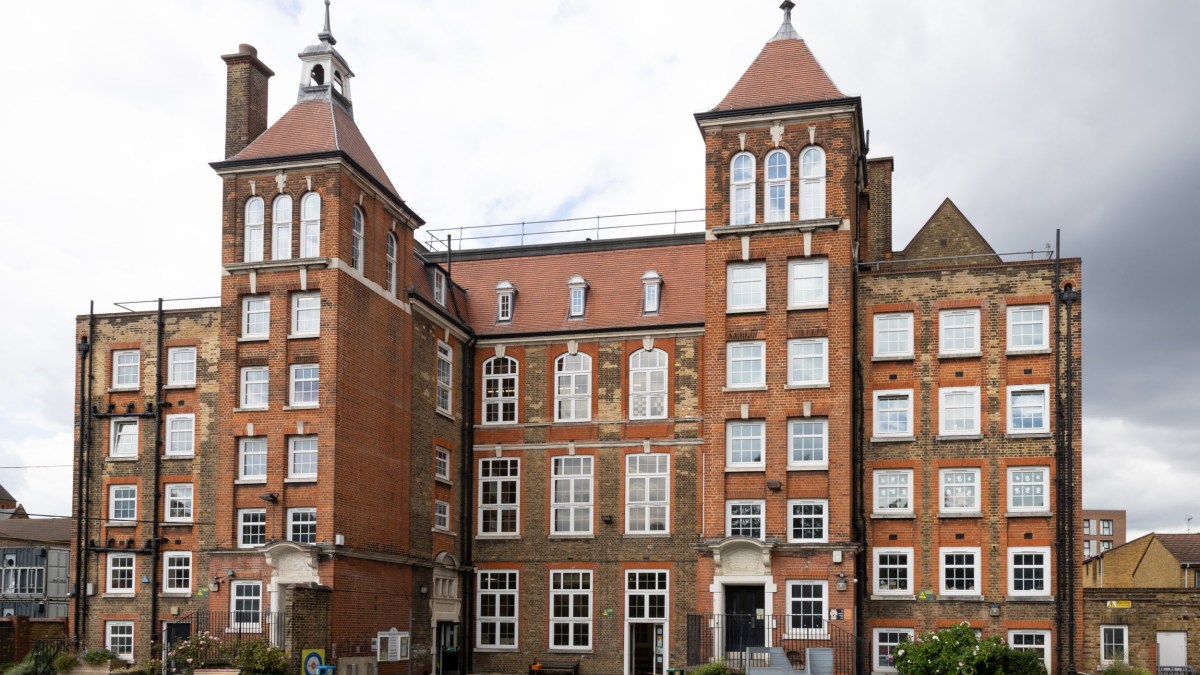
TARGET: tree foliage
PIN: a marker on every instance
(956, 651)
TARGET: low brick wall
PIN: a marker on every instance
(18, 634)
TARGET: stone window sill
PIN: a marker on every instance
(893, 439)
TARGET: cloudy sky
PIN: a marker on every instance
(1032, 116)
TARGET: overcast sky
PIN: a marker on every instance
(1032, 116)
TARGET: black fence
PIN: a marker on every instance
(222, 633)
(810, 643)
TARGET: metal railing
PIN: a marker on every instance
(972, 258)
(621, 225)
(227, 630)
(738, 638)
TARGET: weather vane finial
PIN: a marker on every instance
(786, 32)
(325, 35)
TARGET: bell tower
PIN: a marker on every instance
(324, 74)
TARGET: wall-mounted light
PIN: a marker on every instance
(994, 609)
(215, 584)
(774, 485)
(145, 578)
(230, 573)
(607, 520)
(841, 581)
(270, 498)
(424, 589)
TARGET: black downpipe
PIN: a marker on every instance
(467, 513)
(154, 524)
(859, 530)
(1069, 296)
(81, 521)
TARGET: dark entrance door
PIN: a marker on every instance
(447, 648)
(646, 648)
(744, 618)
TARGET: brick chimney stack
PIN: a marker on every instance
(245, 98)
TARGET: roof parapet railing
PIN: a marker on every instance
(520, 233)
(1015, 256)
(123, 304)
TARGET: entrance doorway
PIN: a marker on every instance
(745, 618)
(647, 648)
(447, 649)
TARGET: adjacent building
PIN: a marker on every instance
(34, 567)
(1102, 530)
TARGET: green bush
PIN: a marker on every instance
(956, 651)
(65, 662)
(260, 657)
(1123, 669)
(97, 655)
(714, 668)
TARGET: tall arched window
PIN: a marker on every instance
(356, 240)
(812, 183)
(500, 390)
(648, 384)
(778, 189)
(741, 189)
(281, 230)
(310, 225)
(390, 262)
(254, 230)
(573, 388)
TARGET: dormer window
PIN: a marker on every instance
(741, 190)
(505, 294)
(578, 294)
(439, 287)
(651, 292)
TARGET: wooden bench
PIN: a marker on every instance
(545, 666)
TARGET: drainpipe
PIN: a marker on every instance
(154, 525)
(1069, 296)
(81, 521)
(466, 513)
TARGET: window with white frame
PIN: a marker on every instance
(1028, 409)
(959, 331)
(252, 459)
(302, 457)
(571, 494)
(573, 388)
(958, 411)
(807, 520)
(648, 384)
(1036, 641)
(886, 640)
(126, 371)
(305, 388)
(808, 283)
(441, 463)
(499, 496)
(744, 518)
(389, 265)
(776, 194)
(646, 595)
(252, 527)
(744, 440)
(808, 362)
(121, 568)
(570, 609)
(281, 228)
(253, 244)
(893, 572)
(445, 377)
(306, 314)
(122, 503)
(177, 572)
(960, 571)
(1105, 546)
(1028, 328)
(441, 515)
(746, 287)
(893, 491)
(1106, 527)
(123, 438)
(181, 435)
(960, 490)
(256, 316)
(1114, 644)
(118, 639)
(496, 622)
(500, 375)
(894, 335)
(808, 439)
(745, 364)
(893, 412)
(1087, 548)
(302, 525)
(310, 225)
(179, 503)
(357, 233)
(181, 369)
(651, 292)
(439, 286)
(1029, 571)
(807, 608)
(647, 493)
(812, 183)
(1028, 487)
(741, 189)
(254, 387)
(245, 604)
(505, 296)
(577, 293)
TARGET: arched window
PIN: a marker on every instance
(778, 190)
(356, 240)
(812, 183)
(741, 190)
(500, 390)
(254, 230)
(648, 384)
(281, 232)
(573, 388)
(310, 225)
(390, 262)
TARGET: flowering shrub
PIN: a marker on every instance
(96, 655)
(956, 651)
(197, 651)
(260, 657)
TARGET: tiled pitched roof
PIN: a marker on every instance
(614, 296)
(312, 127)
(49, 530)
(422, 287)
(1185, 547)
(784, 73)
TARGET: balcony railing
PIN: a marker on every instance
(734, 638)
(226, 630)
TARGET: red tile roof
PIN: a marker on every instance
(312, 127)
(784, 73)
(1185, 547)
(422, 287)
(614, 296)
(46, 530)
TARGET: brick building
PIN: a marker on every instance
(1102, 530)
(475, 460)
